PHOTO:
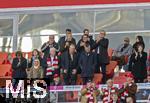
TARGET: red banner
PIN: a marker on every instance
(43, 3)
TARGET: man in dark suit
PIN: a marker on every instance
(69, 63)
(101, 46)
(87, 63)
(65, 41)
(86, 32)
(19, 66)
(49, 44)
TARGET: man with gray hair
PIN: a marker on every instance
(52, 64)
(49, 44)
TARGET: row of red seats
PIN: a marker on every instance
(4, 55)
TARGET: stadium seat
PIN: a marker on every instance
(79, 79)
(5, 70)
(119, 80)
(124, 73)
(97, 78)
(126, 59)
(110, 68)
(3, 56)
(110, 52)
(13, 55)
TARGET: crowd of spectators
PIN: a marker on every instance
(68, 58)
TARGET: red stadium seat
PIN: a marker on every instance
(110, 68)
(5, 74)
(110, 52)
(126, 59)
(13, 55)
(97, 78)
(79, 79)
(119, 80)
(3, 56)
(5, 70)
(124, 73)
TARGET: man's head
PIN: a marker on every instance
(89, 84)
(68, 34)
(86, 31)
(102, 34)
(126, 41)
(56, 78)
(85, 37)
(72, 48)
(109, 82)
(51, 39)
(52, 51)
(129, 78)
(19, 54)
(87, 47)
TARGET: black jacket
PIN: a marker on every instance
(19, 71)
(46, 49)
(138, 66)
(62, 43)
(87, 64)
(103, 53)
(80, 49)
(65, 61)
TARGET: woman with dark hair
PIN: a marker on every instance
(35, 55)
(137, 64)
(139, 41)
(19, 66)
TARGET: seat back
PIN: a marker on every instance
(110, 52)
(97, 79)
(110, 68)
(119, 80)
(3, 56)
(124, 73)
(5, 70)
(79, 79)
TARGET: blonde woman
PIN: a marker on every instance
(36, 70)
